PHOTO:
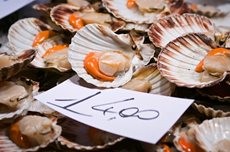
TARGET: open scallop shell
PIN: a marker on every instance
(21, 36)
(177, 61)
(98, 38)
(8, 145)
(24, 103)
(159, 85)
(78, 136)
(212, 133)
(22, 33)
(61, 13)
(120, 10)
(17, 63)
(171, 27)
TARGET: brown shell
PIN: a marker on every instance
(171, 27)
(178, 60)
(23, 60)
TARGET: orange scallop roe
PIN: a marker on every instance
(199, 67)
(54, 49)
(92, 67)
(42, 36)
(19, 139)
(186, 145)
(131, 3)
(76, 21)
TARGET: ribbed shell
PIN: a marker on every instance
(24, 103)
(98, 38)
(119, 9)
(171, 27)
(81, 132)
(23, 60)
(22, 33)
(8, 145)
(211, 112)
(210, 132)
(60, 15)
(177, 61)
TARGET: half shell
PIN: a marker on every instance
(12, 65)
(8, 145)
(61, 14)
(151, 75)
(120, 10)
(98, 38)
(23, 32)
(78, 136)
(24, 103)
(172, 27)
(177, 61)
(214, 135)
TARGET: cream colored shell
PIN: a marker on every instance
(119, 9)
(98, 38)
(212, 132)
(171, 27)
(177, 61)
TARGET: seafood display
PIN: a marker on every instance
(164, 47)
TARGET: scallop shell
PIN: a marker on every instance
(137, 27)
(212, 132)
(171, 27)
(177, 61)
(98, 38)
(159, 84)
(8, 145)
(61, 13)
(120, 10)
(17, 65)
(24, 103)
(39, 107)
(22, 33)
(75, 135)
(210, 112)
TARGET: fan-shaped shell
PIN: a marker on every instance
(8, 145)
(98, 38)
(178, 60)
(171, 27)
(22, 33)
(23, 104)
(82, 140)
(17, 64)
(120, 10)
(159, 85)
(61, 14)
(212, 132)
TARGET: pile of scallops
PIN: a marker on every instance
(164, 47)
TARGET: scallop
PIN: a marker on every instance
(16, 97)
(23, 32)
(10, 65)
(148, 79)
(62, 14)
(214, 135)
(23, 35)
(78, 136)
(120, 10)
(101, 40)
(171, 27)
(37, 131)
(178, 60)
